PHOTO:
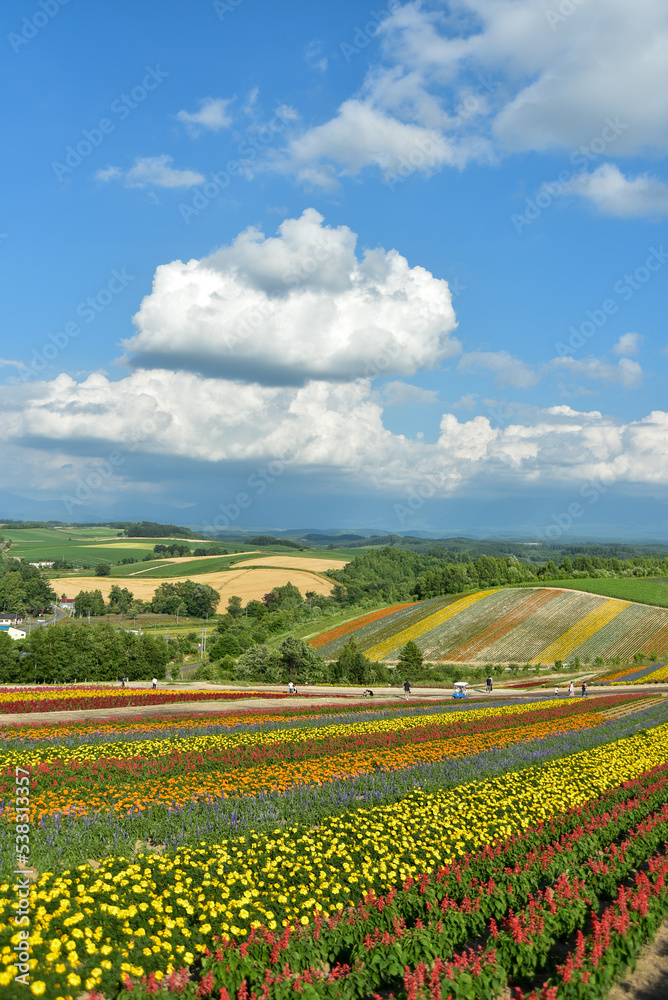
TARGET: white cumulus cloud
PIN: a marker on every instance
(484, 77)
(628, 343)
(402, 394)
(213, 115)
(336, 427)
(152, 171)
(612, 193)
(300, 305)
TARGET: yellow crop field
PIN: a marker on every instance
(296, 562)
(249, 584)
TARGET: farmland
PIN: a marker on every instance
(339, 851)
(249, 584)
(647, 591)
(540, 625)
(246, 571)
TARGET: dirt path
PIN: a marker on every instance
(649, 979)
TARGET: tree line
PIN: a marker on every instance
(396, 574)
(57, 655)
(186, 597)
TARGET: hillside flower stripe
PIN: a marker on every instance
(502, 626)
(381, 650)
(577, 634)
(355, 625)
(508, 624)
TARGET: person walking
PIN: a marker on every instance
(584, 689)
(407, 688)
(291, 688)
(556, 689)
(571, 690)
(154, 683)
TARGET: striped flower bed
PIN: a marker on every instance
(640, 632)
(355, 625)
(467, 624)
(547, 624)
(591, 623)
(657, 643)
(468, 651)
(612, 634)
(395, 642)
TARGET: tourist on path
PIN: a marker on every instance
(407, 688)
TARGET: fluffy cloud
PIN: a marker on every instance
(301, 305)
(614, 194)
(628, 343)
(362, 135)
(511, 75)
(323, 426)
(508, 371)
(152, 171)
(212, 115)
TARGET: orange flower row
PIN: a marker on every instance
(281, 776)
(353, 626)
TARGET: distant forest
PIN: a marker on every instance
(132, 529)
(398, 574)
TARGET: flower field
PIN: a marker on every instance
(523, 625)
(68, 698)
(429, 850)
(636, 675)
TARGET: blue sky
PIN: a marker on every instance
(398, 266)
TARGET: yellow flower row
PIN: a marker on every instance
(382, 649)
(220, 741)
(581, 631)
(161, 912)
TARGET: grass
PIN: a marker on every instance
(642, 590)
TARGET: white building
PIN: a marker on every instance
(13, 633)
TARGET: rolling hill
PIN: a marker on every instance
(538, 625)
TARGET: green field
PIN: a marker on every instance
(161, 569)
(85, 547)
(643, 590)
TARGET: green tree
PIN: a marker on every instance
(226, 644)
(234, 606)
(352, 665)
(260, 664)
(301, 662)
(103, 569)
(199, 599)
(120, 600)
(410, 658)
(89, 602)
